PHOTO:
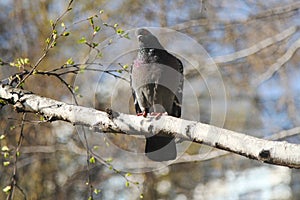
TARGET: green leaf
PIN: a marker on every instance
(116, 25)
(6, 189)
(76, 89)
(141, 196)
(5, 148)
(70, 61)
(95, 44)
(6, 163)
(2, 137)
(66, 34)
(51, 22)
(100, 55)
(92, 160)
(128, 174)
(82, 40)
(91, 21)
(125, 66)
(120, 31)
(6, 155)
(53, 44)
(62, 24)
(109, 160)
(101, 11)
(26, 60)
(96, 147)
(97, 191)
(126, 36)
(47, 40)
(127, 184)
(97, 29)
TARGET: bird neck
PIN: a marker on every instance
(148, 55)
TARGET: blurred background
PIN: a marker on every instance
(242, 74)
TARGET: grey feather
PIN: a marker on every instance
(157, 84)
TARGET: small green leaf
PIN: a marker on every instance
(100, 55)
(128, 174)
(120, 31)
(26, 60)
(12, 64)
(127, 184)
(97, 29)
(70, 61)
(91, 21)
(2, 137)
(92, 160)
(62, 24)
(126, 35)
(53, 44)
(47, 41)
(76, 89)
(66, 34)
(141, 196)
(95, 147)
(6, 189)
(6, 163)
(51, 22)
(18, 153)
(125, 66)
(95, 44)
(42, 118)
(6, 155)
(5, 148)
(97, 191)
(116, 25)
(82, 40)
(120, 71)
(101, 11)
(109, 160)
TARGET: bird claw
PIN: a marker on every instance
(157, 115)
(144, 114)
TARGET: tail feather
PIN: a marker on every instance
(160, 148)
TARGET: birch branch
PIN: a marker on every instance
(272, 152)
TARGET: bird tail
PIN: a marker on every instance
(160, 148)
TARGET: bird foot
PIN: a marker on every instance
(144, 114)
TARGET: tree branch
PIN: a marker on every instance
(273, 152)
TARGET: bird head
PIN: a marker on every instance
(147, 40)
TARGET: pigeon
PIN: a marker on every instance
(157, 84)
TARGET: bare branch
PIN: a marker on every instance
(273, 152)
(254, 49)
(278, 64)
(268, 13)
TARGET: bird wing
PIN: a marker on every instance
(176, 109)
(135, 101)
